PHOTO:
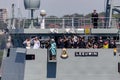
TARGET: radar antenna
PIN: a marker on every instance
(32, 5)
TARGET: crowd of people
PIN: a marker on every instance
(81, 42)
(72, 42)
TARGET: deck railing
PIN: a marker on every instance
(75, 22)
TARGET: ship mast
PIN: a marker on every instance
(13, 17)
(19, 15)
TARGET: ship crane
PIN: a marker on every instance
(111, 8)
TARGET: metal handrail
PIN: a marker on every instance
(72, 22)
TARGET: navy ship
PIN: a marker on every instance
(68, 51)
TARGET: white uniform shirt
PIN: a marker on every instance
(36, 44)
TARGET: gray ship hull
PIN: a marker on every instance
(81, 64)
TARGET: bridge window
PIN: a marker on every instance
(30, 57)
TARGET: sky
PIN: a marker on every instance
(56, 7)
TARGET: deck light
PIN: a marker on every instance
(115, 51)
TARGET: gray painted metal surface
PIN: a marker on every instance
(36, 69)
(104, 31)
(101, 67)
(13, 65)
(60, 31)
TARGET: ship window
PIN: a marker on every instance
(119, 67)
(30, 57)
(8, 52)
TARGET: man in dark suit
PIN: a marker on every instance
(95, 19)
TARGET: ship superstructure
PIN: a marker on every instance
(20, 63)
(81, 52)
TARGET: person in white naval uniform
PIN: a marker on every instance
(28, 43)
(36, 43)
